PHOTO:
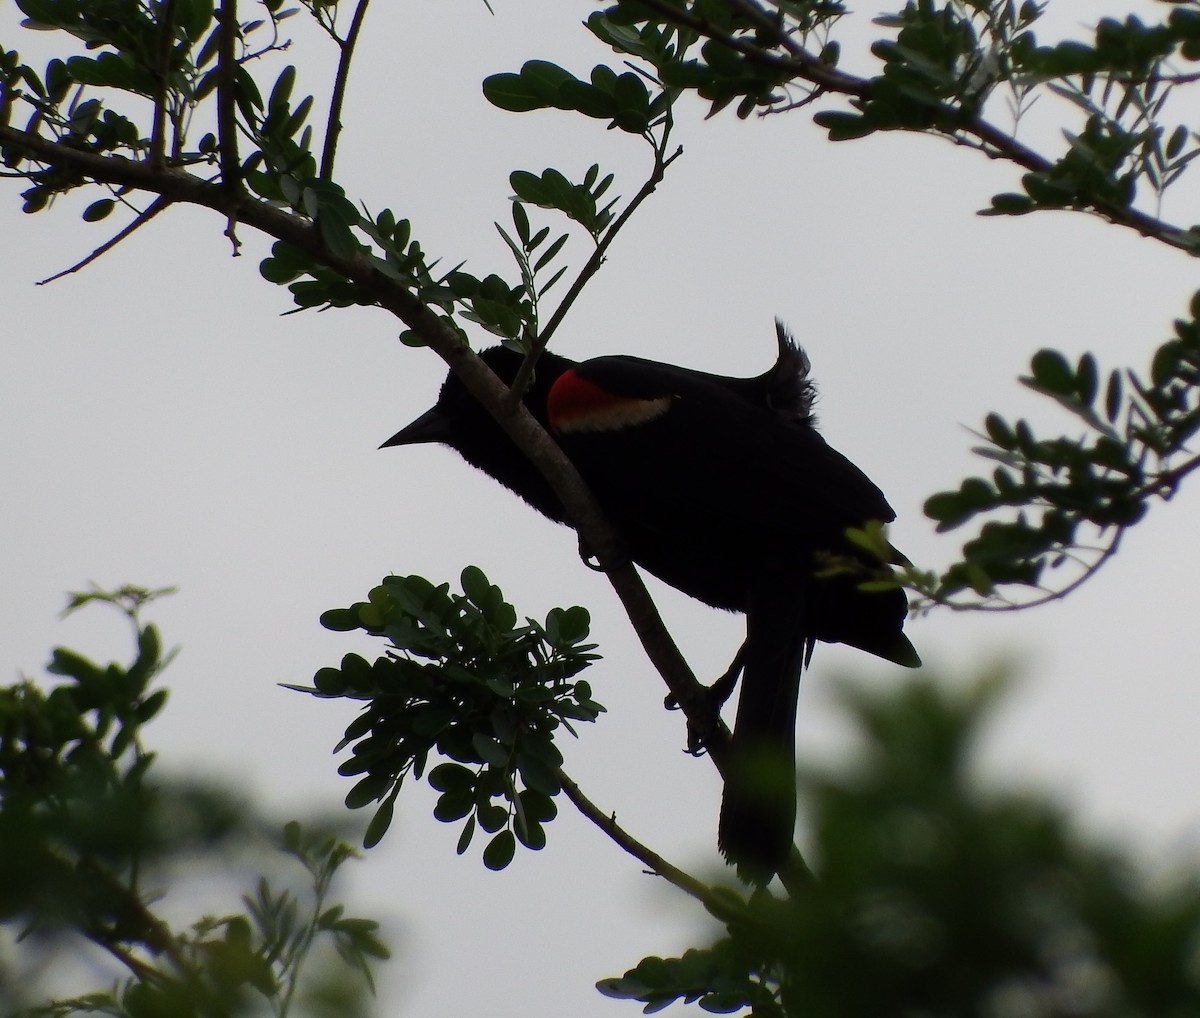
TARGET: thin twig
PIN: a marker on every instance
(152, 210)
(178, 185)
(653, 862)
(771, 27)
(949, 122)
(932, 599)
(227, 137)
(591, 267)
(1168, 479)
(162, 71)
(333, 125)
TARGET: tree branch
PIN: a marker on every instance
(950, 121)
(154, 208)
(655, 863)
(590, 268)
(162, 71)
(333, 124)
(231, 170)
(177, 185)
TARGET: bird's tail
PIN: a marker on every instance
(758, 810)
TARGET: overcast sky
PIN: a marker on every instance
(161, 424)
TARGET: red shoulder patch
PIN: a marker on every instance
(575, 404)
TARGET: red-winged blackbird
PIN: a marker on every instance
(722, 488)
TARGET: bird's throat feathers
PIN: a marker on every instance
(576, 405)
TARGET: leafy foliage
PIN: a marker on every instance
(932, 898)
(462, 679)
(86, 828)
(1053, 502)
(1083, 490)
(936, 897)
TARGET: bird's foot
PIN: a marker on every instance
(714, 699)
(589, 559)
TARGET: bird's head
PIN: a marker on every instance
(458, 420)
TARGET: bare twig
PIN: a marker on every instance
(1167, 479)
(177, 185)
(227, 137)
(653, 862)
(162, 71)
(333, 125)
(592, 266)
(152, 210)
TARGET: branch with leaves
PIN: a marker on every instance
(1055, 510)
(327, 251)
(192, 61)
(91, 829)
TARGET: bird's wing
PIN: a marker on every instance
(721, 436)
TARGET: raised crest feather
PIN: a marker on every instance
(790, 391)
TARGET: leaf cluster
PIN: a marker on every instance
(86, 827)
(939, 71)
(1069, 492)
(163, 52)
(935, 897)
(706, 46)
(622, 99)
(464, 680)
(1122, 83)
(73, 791)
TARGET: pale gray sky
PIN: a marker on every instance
(161, 424)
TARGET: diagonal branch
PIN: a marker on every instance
(333, 125)
(176, 185)
(162, 71)
(590, 268)
(951, 121)
(154, 208)
(653, 862)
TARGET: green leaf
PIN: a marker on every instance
(538, 775)
(1010, 204)
(98, 210)
(490, 750)
(1176, 142)
(588, 100)
(1052, 372)
(451, 777)
(521, 221)
(1086, 379)
(379, 824)
(535, 87)
(1112, 397)
(367, 790)
(464, 838)
(282, 91)
(492, 817)
(454, 805)
(500, 850)
(999, 431)
(843, 126)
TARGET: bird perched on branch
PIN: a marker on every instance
(724, 489)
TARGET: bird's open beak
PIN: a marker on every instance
(429, 427)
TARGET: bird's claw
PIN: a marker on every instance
(714, 697)
(589, 559)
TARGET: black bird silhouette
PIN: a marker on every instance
(724, 489)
